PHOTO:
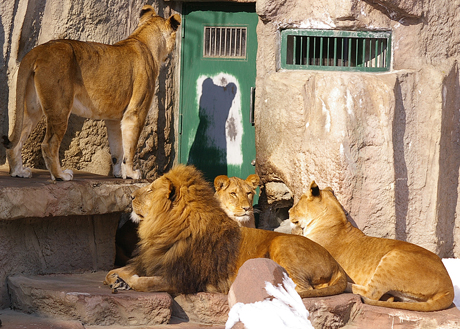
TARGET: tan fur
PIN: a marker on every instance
(188, 244)
(384, 272)
(115, 83)
(236, 197)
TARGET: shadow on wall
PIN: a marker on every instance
(449, 162)
(399, 159)
(3, 95)
(209, 149)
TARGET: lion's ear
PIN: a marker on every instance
(314, 190)
(147, 12)
(221, 182)
(172, 193)
(174, 21)
(253, 180)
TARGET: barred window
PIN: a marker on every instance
(335, 50)
(224, 42)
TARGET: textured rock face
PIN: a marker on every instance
(387, 143)
(83, 297)
(25, 24)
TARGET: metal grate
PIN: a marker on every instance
(335, 50)
(224, 42)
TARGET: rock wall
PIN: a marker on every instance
(387, 143)
(25, 24)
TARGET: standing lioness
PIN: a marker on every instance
(115, 83)
(384, 272)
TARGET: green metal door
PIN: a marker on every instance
(219, 48)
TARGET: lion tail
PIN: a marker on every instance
(26, 69)
(439, 302)
(336, 285)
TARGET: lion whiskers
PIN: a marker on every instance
(135, 218)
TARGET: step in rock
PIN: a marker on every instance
(368, 316)
(204, 308)
(85, 298)
(10, 319)
(16, 320)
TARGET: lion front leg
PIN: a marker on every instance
(116, 145)
(130, 130)
(124, 278)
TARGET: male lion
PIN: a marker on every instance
(115, 83)
(188, 244)
(384, 272)
(236, 196)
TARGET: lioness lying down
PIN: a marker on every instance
(384, 272)
(236, 197)
(188, 244)
(115, 83)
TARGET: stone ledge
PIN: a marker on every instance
(83, 297)
(86, 194)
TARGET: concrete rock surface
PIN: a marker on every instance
(204, 308)
(387, 143)
(84, 298)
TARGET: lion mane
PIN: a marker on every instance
(188, 239)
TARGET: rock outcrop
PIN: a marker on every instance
(387, 143)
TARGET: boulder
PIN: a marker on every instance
(249, 285)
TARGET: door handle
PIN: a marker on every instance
(251, 105)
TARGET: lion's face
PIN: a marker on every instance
(151, 198)
(236, 196)
(314, 208)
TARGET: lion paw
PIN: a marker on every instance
(23, 172)
(133, 174)
(67, 175)
(119, 284)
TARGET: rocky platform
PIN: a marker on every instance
(40, 196)
(82, 301)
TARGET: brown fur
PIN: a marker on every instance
(115, 83)
(384, 272)
(236, 197)
(188, 244)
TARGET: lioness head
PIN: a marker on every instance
(315, 207)
(149, 19)
(236, 197)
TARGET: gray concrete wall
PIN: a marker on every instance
(71, 244)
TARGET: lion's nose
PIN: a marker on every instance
(132, 197)
(246, 208)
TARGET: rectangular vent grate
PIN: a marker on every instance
(224, 42)
(335, 50)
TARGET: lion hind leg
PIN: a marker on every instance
(56, 126)
(439, 302)
(377, 293)
(50, 151)
(32, 114)
(336, 285)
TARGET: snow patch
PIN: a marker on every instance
(453, 268)
(285, 310)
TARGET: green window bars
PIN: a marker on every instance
(335, 50)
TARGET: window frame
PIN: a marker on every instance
(364, 35)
